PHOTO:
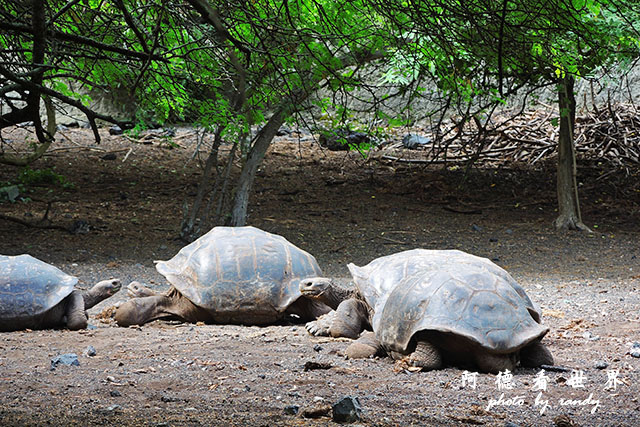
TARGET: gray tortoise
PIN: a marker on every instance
(239, 275)
(434, 307)
(37, 295)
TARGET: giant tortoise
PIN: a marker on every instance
(239, 275)
(434, 307)
(37, 295)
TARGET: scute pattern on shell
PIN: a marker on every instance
(233, 271)
(447, 291)
(29, 287)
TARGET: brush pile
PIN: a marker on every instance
(610, 135)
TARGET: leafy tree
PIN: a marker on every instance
(487, 51)
(278, 55)
(48, 48)
(229, 66)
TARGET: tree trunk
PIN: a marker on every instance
(567, 188)
(32, 110)
(223, 197)
(188, 229)
(248, 174)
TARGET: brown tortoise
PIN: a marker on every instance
(434, 307)
(239, 275)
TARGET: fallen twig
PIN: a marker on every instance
(462, 211)
(126, 156)
(394, 241)
(34, 225)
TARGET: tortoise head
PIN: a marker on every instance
(101, 291)
(315, 287)
(107, 288)
(324, 290)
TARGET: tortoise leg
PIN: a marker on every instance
(535, 354)
(426, 356)
(350, 319)
(320, 327)
(494, 363)
(76, 316)
(364, 347)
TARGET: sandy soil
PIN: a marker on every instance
(341, 208)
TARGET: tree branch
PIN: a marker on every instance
(91, 114)
(62, 11)
(500, 43)
(60, 36)
(212, 16)
(134, 27)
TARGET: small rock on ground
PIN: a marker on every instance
(65, 359)
(347, 410)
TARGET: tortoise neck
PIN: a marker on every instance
(335, 294)
(91, 298)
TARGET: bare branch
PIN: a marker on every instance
(86, 41)
(91, 114)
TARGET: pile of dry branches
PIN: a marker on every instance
(610, 135)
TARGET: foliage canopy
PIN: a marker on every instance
(228, 66)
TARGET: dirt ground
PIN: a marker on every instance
(341, 208)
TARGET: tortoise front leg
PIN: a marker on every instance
(350, 319)
(76, 315)
(320, 327)
(364, 347)
(138, 311)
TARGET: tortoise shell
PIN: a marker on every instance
(232, 271)
(447, 291)
(30, 287)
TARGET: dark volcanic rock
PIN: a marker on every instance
(347, 410)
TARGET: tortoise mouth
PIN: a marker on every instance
(313, 292)
(116, 285)
(312, 288)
